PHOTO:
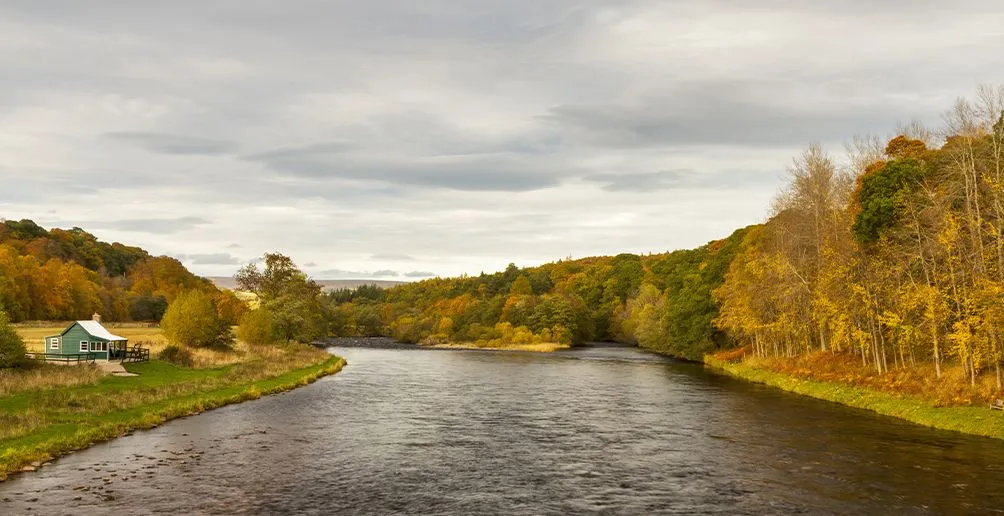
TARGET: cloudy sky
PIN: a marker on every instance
(402, 138)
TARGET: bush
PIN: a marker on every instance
(191, 320)
(257, 327)
(12, 349)
(177, 355)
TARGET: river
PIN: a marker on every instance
(596, 430)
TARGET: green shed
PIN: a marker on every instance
(82, 337)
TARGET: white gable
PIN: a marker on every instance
(95, 329)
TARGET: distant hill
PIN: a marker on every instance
(228, 282)
(63, 274)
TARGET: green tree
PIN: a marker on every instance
(12, 349)
(293, 299)
(191, 320)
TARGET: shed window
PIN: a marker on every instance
(99, 346)
(54, 343)
(83, 345)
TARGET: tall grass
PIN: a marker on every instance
(47, 376)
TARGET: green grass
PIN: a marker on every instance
(41, 424)
(974, 420)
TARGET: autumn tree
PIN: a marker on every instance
(191, 320)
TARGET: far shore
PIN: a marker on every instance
(543, 347)
(390, 343)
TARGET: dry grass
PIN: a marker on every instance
(952, 389)
(47, 376)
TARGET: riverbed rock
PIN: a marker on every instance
(28, 469)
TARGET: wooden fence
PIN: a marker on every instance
(70, 358)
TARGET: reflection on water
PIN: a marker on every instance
(602, 430)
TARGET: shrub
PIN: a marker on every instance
(191, 320)
(178, 355)
(257, 327)
(12, 349)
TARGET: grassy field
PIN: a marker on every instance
(146, 336)
(49, 410)
(977, 420)
(138, 334)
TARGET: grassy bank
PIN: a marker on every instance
(976, 420)
(40, 423)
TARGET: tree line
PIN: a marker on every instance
(660, 301)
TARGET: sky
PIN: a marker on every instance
(401, 139)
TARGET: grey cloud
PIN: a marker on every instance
(210, 259)
(680, 178)
(392, 257)
(732, 112)
(173, 143)
(350, 274)
(339, 273)
(641, 182)
(155, 226)
(466, 174)
(234, 246)
(301, 152)
(419, 274)
(310, 264)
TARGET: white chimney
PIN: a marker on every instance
(96, 317)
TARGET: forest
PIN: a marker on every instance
(891, 256)
(66, 274)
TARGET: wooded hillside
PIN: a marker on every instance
(69, 274)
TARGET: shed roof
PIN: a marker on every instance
(96, 330)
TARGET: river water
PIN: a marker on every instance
(597, 430)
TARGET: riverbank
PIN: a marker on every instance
(975, 420)
(542, 347)
(39, 425)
